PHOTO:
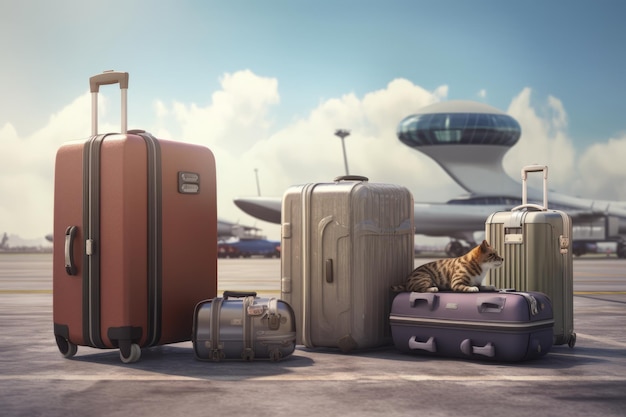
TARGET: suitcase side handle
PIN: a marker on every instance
(490, 304)
(428, 297)
(108, 77)
(525, 171)
(70, 265)
(430, 345)
(468, 348)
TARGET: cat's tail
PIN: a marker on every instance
(398, 288)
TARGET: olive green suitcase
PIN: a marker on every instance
(535, 243)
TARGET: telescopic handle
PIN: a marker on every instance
(108, 77)
(525, 171)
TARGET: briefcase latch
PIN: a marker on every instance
(273, 316)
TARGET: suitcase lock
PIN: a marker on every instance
(564, 244)
(273, 321)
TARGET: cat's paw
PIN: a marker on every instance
(432, 289)
(471, 289)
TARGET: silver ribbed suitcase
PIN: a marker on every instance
(245, 328)
(344, 244)
(536, 245)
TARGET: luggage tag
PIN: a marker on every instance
(269, 312)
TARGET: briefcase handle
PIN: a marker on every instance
(351, 178)
(238, 294)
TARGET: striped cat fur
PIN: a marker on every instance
(463, 274)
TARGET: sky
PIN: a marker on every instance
(265, 84)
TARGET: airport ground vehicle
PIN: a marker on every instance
(245, 248)
(583, 247)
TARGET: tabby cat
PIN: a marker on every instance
(463, 274)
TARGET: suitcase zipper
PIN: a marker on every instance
(91, 227)
(155, 277)
(305, 313)
(497, 326)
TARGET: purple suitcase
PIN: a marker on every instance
(497, 326)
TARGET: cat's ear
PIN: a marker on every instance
(484, 246)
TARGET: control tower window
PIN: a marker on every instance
(459, 128)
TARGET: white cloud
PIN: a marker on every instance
(307, 149)
(596, 172)
(27, 168)
(237, 126)
(543, 141)
(237, 116)
(482, 93)
(601, 172)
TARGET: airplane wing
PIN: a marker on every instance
(263, 208)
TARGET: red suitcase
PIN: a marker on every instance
(498, 326)
(135, 237)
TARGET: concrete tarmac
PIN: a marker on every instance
(35, 380)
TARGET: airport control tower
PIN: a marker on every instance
(468, 140)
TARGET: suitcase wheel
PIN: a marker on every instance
(275, 355)
(67, 348)
(133, 356)
(572, 340)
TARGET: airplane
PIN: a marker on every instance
(226, 230)
(468, 140)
